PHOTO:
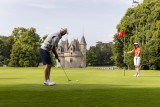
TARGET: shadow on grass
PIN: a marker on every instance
(10, 78)
(78, 95)
(150, 76)
(69, 86)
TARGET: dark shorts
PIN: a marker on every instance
(45, 56)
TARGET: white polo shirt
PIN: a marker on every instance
(51, 40)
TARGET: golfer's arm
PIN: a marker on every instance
(53, 48)
(131, 51)
(138, 53)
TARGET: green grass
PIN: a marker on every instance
(22, 87)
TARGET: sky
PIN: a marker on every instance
(95, 19)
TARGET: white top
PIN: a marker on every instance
(51, 40)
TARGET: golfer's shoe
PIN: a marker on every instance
(138, 75)
(135, 75)
(45, 83)
(50, 82)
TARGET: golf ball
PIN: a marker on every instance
(77, 80)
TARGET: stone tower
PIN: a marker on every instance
(83, 48)
(72, 55)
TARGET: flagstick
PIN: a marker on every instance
(122, 34)
(124, 56)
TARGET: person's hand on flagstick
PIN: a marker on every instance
(125, 52)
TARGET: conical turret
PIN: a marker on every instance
(83, 49)
(83, 41)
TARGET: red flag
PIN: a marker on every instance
(121, 34)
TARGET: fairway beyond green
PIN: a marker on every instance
(22, 87)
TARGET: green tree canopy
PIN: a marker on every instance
(91, 58)
(1, 51)
(100, 55)
(25, 50)
(142, 25)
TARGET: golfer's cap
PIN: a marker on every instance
(136, 44)
(64, 30)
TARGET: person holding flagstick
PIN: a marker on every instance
(137, 51)
(122, 34)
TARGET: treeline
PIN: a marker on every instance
(100, 55)
(21, 49)
(142, 25)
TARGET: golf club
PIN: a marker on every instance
(65, 72)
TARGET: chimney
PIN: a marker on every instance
(66, 45)
(76, 45)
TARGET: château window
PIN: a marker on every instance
(71, 60)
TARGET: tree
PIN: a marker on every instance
(100, 55)
(25, 50)
(91, 58)
(1, 51)
(141, 25)
(8, 47)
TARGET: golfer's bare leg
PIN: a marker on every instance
(138, 69)
(46, 72)
(49, 71)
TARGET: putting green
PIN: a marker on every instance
(22, 87)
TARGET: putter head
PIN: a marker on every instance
(69, 80)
